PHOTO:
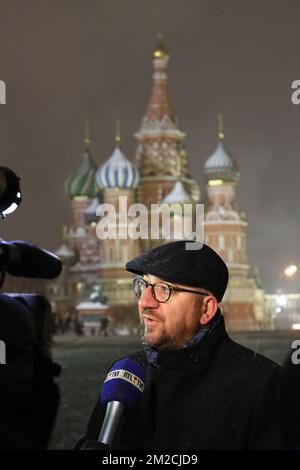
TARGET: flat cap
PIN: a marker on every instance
(174, 263)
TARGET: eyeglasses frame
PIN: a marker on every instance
(171, 288)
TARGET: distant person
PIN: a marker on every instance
(67, 323)
(61, 325)
(78, 327)
(203, 390)
(104, 326)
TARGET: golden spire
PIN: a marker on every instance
(161, 52)
(118, 134)
(178, 166)
(220, 127)
(87, 139)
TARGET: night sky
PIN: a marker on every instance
(66, 60)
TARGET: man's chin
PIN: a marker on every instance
(152, 341)
(157, 342)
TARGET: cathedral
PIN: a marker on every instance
(159, 175)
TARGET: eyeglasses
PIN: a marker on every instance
(161, 291)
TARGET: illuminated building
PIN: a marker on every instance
(159, 175)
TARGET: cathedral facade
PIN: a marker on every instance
(159, 175)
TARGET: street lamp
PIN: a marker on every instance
(290, 270)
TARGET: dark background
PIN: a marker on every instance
(66, 60)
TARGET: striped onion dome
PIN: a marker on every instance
(117, 172)
(178, 194)
(220, 165)
(82, 182)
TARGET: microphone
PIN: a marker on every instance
(121, 391)
(20, 258)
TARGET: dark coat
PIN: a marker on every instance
(214, 395)
(290, 410)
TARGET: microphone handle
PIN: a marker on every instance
(113, 415)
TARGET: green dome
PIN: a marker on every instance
(220, 165)
(83, 181)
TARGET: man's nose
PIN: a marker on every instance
(147, 300)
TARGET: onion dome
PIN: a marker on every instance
(220, 165)
(82, 182)
(117, 171)
(178, 195)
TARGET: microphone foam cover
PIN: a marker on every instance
(124, 383)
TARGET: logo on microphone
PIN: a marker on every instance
(125, 375)
(2, 352)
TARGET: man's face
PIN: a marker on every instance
(171, 324)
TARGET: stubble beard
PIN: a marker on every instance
(156, 335)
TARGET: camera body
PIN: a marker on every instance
(29, 397)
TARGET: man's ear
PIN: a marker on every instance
(209, 309)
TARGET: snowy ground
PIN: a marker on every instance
(84, 362)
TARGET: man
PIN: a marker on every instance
(203, 391)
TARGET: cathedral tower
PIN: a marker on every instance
(82, 189)
(226, 232)
(160, 141)
(117, 179)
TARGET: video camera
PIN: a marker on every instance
(29, 396)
